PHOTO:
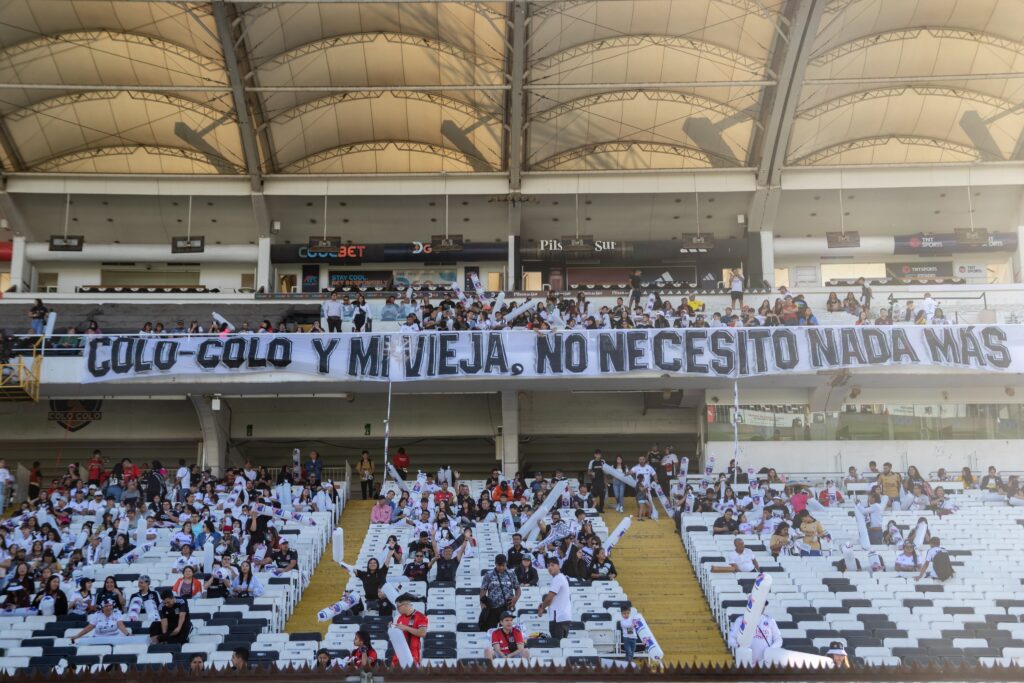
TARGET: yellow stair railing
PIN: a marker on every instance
(19, 378)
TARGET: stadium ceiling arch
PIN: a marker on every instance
(470, 86)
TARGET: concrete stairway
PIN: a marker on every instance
(330, 579)
(659, 580)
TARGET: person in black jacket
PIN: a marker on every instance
(52, 590)
(174, 624)
(525, 572)
(598, 486)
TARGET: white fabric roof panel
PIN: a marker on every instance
(399, 87)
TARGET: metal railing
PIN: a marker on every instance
(19, 377)
(983, 297)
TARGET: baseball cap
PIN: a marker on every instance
(84, 580)
(507, 615)
(836, 648)
(145, 577)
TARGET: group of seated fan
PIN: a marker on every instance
(548, 594)
(151, 567)
(865, 566)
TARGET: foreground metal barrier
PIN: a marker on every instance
(595, 674)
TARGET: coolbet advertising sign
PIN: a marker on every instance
(707, 352)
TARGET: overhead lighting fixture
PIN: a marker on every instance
(323, 242)
(970, 237)
(66, 242)
(843, 240)
(446, 243)
(188, 244)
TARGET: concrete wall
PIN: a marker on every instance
(837, 456)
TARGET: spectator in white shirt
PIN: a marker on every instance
(410, 325)
(332, 311)
(928, 305)
(183, 477)
(907, 560)
(741, 559)
(643, 472)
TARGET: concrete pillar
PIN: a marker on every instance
(20, 266)
(1018, 257)
(263, 267)
(213, 424)
(767, 258)
(508, 443)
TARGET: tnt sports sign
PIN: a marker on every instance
(717, 353)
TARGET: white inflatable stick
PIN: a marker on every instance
(338, 545)
(862, 527)
(616, 535)
(919, 532)
(542, 510)
(398, 480)
(663, 499)
(478, 287)
(347, 602)
(401, 647)
(646, 636)
(520, 309)
(755, 608)
(618, 474)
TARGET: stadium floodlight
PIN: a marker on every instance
(578, 243)
(324, 243)
(446, 243)
(66, 242)
(188, 244)
(843, 240)
(971, 237)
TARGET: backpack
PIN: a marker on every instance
(942, 566)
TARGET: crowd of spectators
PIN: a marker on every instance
(456, 311)
(118, 510)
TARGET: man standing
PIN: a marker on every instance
(315, 468)
(401, 462)
(414, 626)
(558, 601)
(499, 591)
(642, 472)
(183, 479)
(331, 309)
(598, 486)
(889, 481)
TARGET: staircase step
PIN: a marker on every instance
(659, 580)
(329, 579)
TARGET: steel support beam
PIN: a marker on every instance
(805, 18)
(517, 97)
(225, 15)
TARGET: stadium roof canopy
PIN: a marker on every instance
(311, 88)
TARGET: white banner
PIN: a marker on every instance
(711, 352)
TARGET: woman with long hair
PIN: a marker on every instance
(19, 590)
(51, 600)
(366, 471)
(618, 487)
(246, 584)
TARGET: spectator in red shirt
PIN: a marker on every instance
(401, 462)
(443, 496)
(96, 468)
(129, 470)
(413, 624)
(363, 656)
(507, 641)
